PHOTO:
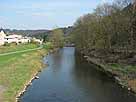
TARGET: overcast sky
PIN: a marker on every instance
(43, 14)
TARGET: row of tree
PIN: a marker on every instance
(57, 38)
(112, 26)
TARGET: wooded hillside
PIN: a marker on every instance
(111, 28)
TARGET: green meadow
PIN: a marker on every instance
(17, 69)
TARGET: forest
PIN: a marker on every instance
(111, 28)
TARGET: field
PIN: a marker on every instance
(14, 47)
(18, 69)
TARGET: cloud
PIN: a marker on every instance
(105, 1)
(33, 12)
(3, 21)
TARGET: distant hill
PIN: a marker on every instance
(37, 33)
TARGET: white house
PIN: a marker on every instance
(2, 37)
(12, 38)
(15, 39)
(24, 40)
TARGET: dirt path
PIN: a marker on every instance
(2, 89)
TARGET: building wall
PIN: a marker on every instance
(15, 39)
(2, 36)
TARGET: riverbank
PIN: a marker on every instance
(16, 70)
(27, 84)
(124, 75)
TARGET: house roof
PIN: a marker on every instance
(1, 29)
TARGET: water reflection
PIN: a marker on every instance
(97, 85)
(70, 79)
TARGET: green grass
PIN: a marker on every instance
(18, 69)
(13, 47)
(117, 67)
(125, 69)
(127, 73)
(48, 45)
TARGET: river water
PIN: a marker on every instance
(69, 78)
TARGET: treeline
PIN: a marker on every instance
(56, 37)
(111, 27)
(59, 37)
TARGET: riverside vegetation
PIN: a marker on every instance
(17, 69)
(108, 37)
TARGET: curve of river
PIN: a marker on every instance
(69, 78)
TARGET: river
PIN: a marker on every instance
(69, 78)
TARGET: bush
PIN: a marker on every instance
(48, 45)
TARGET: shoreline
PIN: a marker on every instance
(109, 73)
(21, 69)
(34, 77)
(29, 83)
(26, 85)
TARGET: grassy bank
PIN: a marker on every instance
(18, 69)
(124, 74)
